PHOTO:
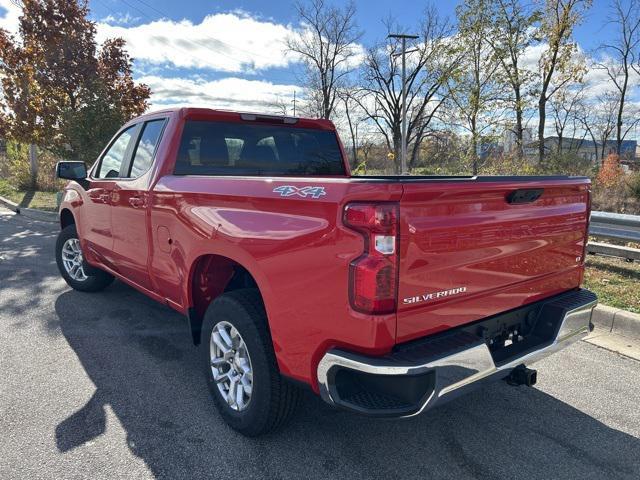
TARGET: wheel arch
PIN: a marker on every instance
(210, 276)
(66, 218)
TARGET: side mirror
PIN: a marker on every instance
(71, 171)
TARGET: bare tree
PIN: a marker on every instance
(599, 120)
(327, 43)
(350, 108)
(559, 64)
(428, 68)
(279, 106)
(472, 88)
(620, 56)
(512, 33)
(566, 106)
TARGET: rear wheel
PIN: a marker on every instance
(242, 373)
(73, 267)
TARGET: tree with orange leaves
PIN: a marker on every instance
(611, 172)
(61, 91)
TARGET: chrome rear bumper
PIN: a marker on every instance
(409, 381)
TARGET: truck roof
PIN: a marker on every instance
(202, 113)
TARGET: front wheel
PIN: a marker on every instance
(240, 365)
(72, 266)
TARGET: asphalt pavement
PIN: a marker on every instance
(107, 385)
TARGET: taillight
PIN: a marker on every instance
(373, 276)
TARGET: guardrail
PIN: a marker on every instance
(616, 226)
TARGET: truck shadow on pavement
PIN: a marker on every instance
(27, 264)
(139, 357)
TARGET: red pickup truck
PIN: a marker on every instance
(385, 295)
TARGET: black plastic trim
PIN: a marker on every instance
(461, 178)
(404, 394)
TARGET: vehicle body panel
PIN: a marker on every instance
(295, 248)
(467, 236)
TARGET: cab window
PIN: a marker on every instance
(146, 148)
(115, 156)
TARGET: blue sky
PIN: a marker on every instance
(228, 54)
(370, 13)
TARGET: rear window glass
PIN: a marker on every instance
(219, 148)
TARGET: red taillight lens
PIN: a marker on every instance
(380, 218)
(373, 275)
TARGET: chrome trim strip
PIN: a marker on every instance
(475, 363)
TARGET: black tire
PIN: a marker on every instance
(96, 279)
(273, 399)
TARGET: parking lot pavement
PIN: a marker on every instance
(107, 385)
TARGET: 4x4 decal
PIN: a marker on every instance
(308, 191)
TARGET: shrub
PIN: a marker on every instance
(611, 174)
(19, 170)
(47, 180)
(633, 183)
(18, 160)
(508, 165)
(6, 189)
(567, 163)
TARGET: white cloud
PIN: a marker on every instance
(119, 19)
(227, 93)
(531, 56)
(10, 14)
(598, 81)
(227, 42)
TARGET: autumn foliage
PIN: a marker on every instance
(611, 172)
(61, 90)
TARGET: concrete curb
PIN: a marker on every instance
(616, 320)
(29, 212)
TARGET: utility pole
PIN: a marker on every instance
(403, 141)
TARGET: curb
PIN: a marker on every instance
(616, 320)
(29, 212)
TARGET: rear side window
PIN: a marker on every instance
(146, 147)
(115, 156)
(218, 148)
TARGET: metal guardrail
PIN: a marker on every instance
(616, 226)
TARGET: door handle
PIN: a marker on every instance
(136, 202)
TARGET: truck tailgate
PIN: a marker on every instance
(467, 253)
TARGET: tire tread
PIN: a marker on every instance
(284, 396)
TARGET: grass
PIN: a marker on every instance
(615, 281)
(29, 199)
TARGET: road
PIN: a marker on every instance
(107, 386)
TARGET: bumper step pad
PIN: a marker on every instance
(420, 374)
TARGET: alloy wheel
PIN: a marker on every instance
(231, 365)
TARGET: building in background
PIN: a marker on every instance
(509, 143)
(585, 148)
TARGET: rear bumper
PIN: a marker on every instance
(422, 374)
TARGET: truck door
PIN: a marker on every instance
(130, 197)
(96, 226)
